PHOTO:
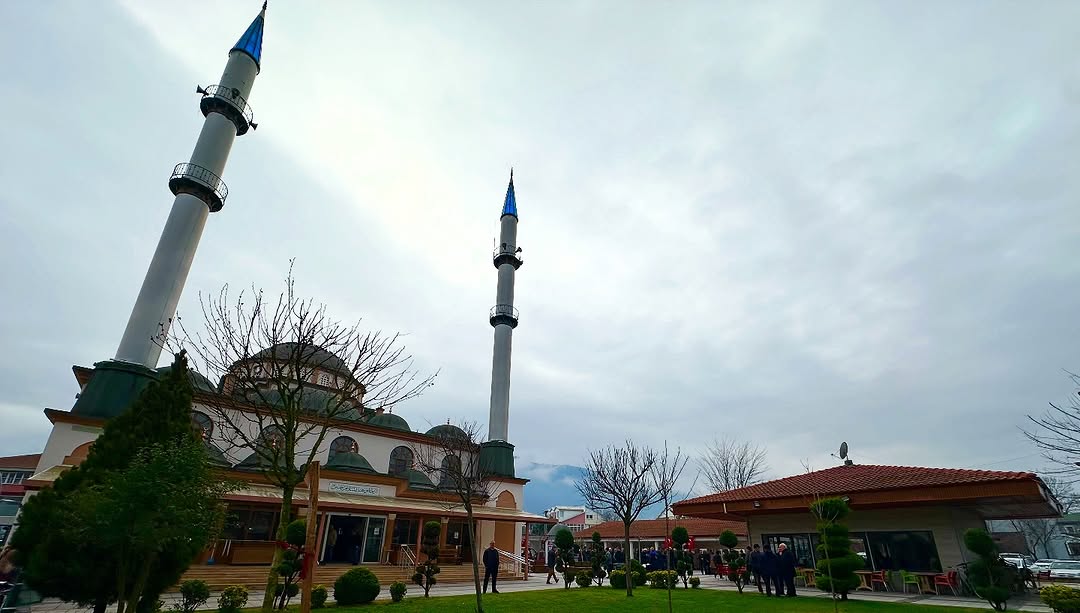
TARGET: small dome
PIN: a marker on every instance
(448, 431)
(388, 420)
(315, 357)
(198, 381)
(254, 462)
(215, 457)
(419, 481)
(349, 461)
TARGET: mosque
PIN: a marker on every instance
(374, 498)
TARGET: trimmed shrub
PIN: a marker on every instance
(663, 579)
(1061, 598)
(989, 575)
(319, 594)
(583, 579)
(617, 579)
(294, 589)
(836, 562)
(637, 570)
(193, 593)
(695, 582)
(232, 599)
(398, 590)
(357, 586)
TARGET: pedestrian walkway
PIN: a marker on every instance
(536, 582)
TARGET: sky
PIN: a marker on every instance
(797, 223)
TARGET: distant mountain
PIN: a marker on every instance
(549, 485)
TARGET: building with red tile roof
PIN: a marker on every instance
(646, 533)
(903, 517)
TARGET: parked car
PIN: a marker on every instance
(1065, 570)
(1018, 560)
(1043, 565)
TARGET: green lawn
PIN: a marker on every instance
(647, 599)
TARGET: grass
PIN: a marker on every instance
(644, 600)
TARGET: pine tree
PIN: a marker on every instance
(426, 571)
(57, 563)
(837, 563)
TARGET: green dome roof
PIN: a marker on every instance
(349, 461)
(315, 400)
(215, 457)
(448, 431)
(418, 480)
(316, 357)
(388, 420)
(254, 462)
(198, 381)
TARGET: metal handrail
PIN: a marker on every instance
(510, 251)
(232, 96)
(504, 310)
(408, 557)
(202, 176)
(513, 562)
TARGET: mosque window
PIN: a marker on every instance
(401, 460)
(325, 380)
(451, 471)
(343, 444)
(203, 423)
(272, 437)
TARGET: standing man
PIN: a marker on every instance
(787, 571)
(769, 564)
(491, 567)
(552, 559)
(755, 567)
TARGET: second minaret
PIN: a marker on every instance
(503, 316)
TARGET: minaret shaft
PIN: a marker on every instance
(165, 278)
(499, 416)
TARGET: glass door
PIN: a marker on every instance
(373, 540)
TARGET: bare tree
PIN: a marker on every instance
(454, 455)
(289, 373)
(728, 464)
(1039, 532)
(1057, 431)
(620, 480)
(665, 475)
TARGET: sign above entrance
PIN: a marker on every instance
(362, 489)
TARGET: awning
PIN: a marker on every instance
(336, 501)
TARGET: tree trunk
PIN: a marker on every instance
(100, 605)
(475, 560)
(283, 523)
(628, 567)
(140, 584)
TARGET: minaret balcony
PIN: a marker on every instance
(228, 102)
(503, 314)
(200, 182)
(506, 254)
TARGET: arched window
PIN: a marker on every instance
(451, 471)
(203, 424)
(401, 460)
(324, 380)
(343, 444)
(272, 437)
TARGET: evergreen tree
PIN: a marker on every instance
(55, 561)
(733, 558)
(837, 563)
(425, 572)
(564, 544)
(599, 559)
(683, 560)
(990, 576)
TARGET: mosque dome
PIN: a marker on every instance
(448, 431)
(351, 462)
(315, 357)
(198, 381)
(419, 481)
(388, 420)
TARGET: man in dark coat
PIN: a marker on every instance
(491, 567)
(769, 564)
(754, 564)
(786, 570)
(552, 559)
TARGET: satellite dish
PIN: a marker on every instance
(843, 450)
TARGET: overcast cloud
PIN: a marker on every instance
(796, 222)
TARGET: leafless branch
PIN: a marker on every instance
(728, 464)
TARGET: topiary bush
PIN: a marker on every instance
(398, 590)
(294, 589)
(426, 571)
(638, 573)
(989, 576)
(684, 561)
(193, 593)
(583, 579)
(232, 599)
(564, 543)
(1061, 598)
(836, 563)
(617, 579)
(695, 582)
(319, 594)
(357, 586)
(663, 579)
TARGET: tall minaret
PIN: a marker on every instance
(503, 316)
(199, 191)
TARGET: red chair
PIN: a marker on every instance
(879, 577)
(950, 580)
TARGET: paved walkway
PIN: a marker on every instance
(536, 582)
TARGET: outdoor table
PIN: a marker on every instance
(864, 580)
(926, 582)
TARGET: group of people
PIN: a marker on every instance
(773, 570)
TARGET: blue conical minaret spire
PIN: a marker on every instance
(251, 40)
(510, 204)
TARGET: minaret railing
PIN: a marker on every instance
(507, 255)
(228, 102)
(188, 178)
(503, 314)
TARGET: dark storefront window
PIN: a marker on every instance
(248, 524)
(798, 543)
(911, 551)
(406, 532)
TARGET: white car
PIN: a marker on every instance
(1065, 570)
(1043, 565)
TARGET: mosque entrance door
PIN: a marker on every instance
(353, 539)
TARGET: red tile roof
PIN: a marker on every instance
(575, 520)
(860, 478)
(656, 528)
(20, 462)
